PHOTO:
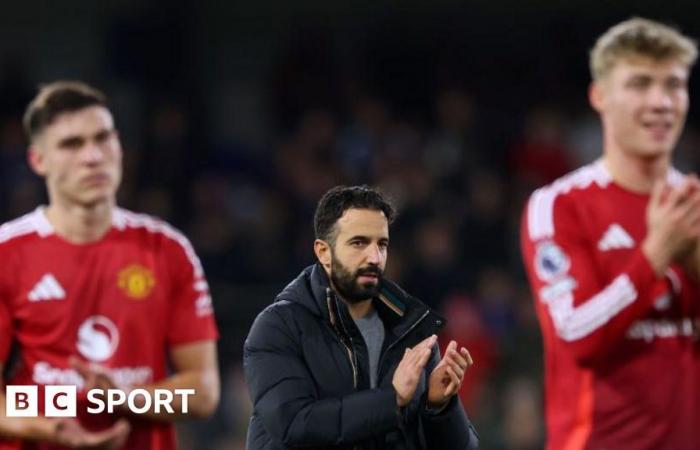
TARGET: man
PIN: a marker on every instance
(606, 250)
(93, 295)
(344, 359)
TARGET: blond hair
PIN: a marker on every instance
(640, 37)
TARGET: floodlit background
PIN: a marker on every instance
(237, 116)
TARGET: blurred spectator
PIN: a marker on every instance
(585, 139)
(540, 155)
(434, 273)
(496, 296)
(522, 427)
(687, 156)
(452, 147)
(359, 142)
(466, 325)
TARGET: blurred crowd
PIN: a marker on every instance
(459, 182)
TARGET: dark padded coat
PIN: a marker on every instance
(306, 366)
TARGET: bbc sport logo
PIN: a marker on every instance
(61, 401)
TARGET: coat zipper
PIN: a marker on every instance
(415, 324)
(351, 357)
(351, 354)
(348, 348)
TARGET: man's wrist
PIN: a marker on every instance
(657, 257)
(433, 408)
(399, 401)
(436, 408)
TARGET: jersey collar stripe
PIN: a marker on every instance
(13, 230)
(541, 206)
(674, 177)
(41, 222)
(133, 220)
(118, 218)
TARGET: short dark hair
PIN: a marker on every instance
(56, 98)
(339, 199)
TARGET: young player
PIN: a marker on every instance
(606, 250)
(93, 295)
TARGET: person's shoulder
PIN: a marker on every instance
(584, 179)
(156, 233)
(563, 196)
(281, 321)
(292, 305)
(280, 309)
(146, 225)
(126, 220)
(24, 227)
(297, 289)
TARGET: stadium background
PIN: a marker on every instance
(235, 117)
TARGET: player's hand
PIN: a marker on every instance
(71, 434)
(408, 372)
(96, 376)
(447, 377)
(673, 223)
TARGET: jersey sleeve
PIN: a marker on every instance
(191, 313)
(6, 322)
(587, 309)
(6, 329)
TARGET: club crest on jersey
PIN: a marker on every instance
(136, 281)
(550, 261)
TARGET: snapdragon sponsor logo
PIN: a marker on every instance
(61, 401)
(45, 373)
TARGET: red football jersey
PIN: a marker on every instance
(620, 346)
(121, 302)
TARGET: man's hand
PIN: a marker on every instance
(673, 223)
(446, 378)
(95, 375)
(70, 433)
(407, 373)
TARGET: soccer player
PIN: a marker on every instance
(606, 250)
(93, 295)
(344, 358)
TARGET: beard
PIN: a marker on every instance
(347, 285)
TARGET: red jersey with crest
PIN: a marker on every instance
(121, 302)
(621, 368)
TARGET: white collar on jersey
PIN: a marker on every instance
(674, 177)
(44, 228)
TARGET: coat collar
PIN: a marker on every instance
(396, 306)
